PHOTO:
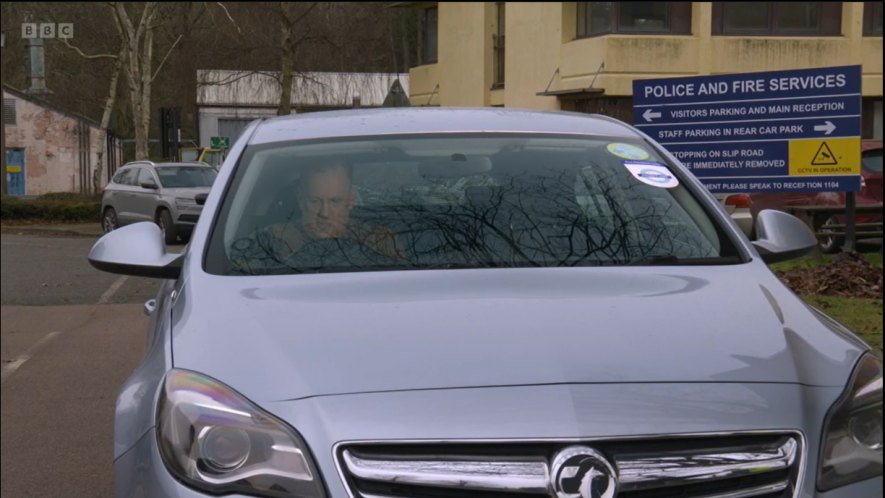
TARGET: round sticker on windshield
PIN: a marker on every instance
(656, 175)
(627, 151)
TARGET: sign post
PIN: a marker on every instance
(774, 131)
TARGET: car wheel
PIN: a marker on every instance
(164, 220)
(109, 220)
(830, 244)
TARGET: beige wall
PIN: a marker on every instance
(533, 34)
(462, 37)
(540, 39)
(51, 145)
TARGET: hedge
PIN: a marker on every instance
(51, 207)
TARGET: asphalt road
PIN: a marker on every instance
(70, 336)
(40, 271)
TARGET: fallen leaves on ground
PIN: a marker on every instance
(848, 275)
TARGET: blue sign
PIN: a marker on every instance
(774, 131)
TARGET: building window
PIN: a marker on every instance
(429, 22)
(600, 18)
(498, 44)
(872, 18)
(777, 18)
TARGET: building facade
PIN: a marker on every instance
(228, 100)
(50, 150)
(584, 56)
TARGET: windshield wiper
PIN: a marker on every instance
(654, 259)
(673, 260)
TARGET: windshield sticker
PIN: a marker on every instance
(627, 151)
(654, 174)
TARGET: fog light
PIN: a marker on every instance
(224, 448)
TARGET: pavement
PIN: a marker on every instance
(60, 229)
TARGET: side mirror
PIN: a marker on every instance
(137, 250)
(201, 198)
(781, 236)
(150, 184)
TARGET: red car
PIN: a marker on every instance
(870, 193)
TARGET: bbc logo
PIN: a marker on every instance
(48, 30)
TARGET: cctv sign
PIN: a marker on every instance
(48, 30)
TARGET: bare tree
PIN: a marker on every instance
(107, 109)
(288, 44)
(138, 47)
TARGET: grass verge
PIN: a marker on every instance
(862, 316)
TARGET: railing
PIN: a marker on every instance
(819, 219)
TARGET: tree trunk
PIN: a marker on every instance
(105, 122)
(139, 46)
(287, 64)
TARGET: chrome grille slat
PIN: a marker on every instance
(750, 492)
(515, 476)
(650, 472)
(697, 468)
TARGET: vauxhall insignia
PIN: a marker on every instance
(582, 472)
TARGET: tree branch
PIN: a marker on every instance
(229, 16)
(87, 56)
(166, 57)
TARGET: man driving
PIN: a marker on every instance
(324, 230)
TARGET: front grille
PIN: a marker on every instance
(739, 466)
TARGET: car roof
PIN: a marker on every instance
(420, 120)
(162, 165)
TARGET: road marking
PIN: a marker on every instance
(10, 368)
(112, 289)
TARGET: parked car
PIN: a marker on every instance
(482, 303)
(164, 193)
(870, 194)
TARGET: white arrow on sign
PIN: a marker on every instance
(649, 115)
(827, 127)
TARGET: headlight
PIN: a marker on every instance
(185, 202)
(214, 439)
(852, 441)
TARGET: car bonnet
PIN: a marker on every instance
(291, 337)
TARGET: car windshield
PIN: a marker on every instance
(186, 176)
(465, 201)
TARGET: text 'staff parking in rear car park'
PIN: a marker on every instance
(775, 131)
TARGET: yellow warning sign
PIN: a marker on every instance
(828, 156)
(824, 156)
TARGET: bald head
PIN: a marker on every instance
(326, 197)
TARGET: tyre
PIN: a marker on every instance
(164, 220)
(830, 244)
(109, 220)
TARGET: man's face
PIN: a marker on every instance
(326, 203)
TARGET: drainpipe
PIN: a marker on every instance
(38, 74)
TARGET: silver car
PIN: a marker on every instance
(164, 193)
(482, 303)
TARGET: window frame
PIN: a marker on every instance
(829, 16)
(674, 27)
